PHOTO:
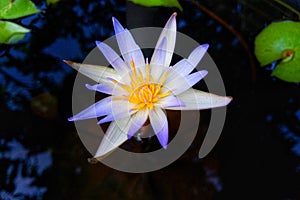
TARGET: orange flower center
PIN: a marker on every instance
(143, 91)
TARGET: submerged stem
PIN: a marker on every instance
(233, 31)
(288, 7)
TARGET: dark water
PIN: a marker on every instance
(41, 156)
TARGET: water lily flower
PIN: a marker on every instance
(140, 91)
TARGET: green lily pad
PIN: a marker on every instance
(12, 9)
(165, 3)
(11, 32)
(280, 41)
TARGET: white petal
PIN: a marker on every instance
(95, 72)
(101, 108)
(169, 32)
(129, 49)
(183, 67)
(170, 101)
(113, 58)
(108, 88)
(160, 53)
(197, 54)
(181, 84)
(102, 87)
(159, 122)
(115, 135)
(119, 109)
(199, 100)
(137, 121)
(157, 71)
(186, 66)
(158, 60)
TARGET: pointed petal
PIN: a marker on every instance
(197, 54)
(115, 135)
(120, 109)
(183, 67)
(169, 32)
(186, 66)
(170, 101)
(159, 122)
(160, 55)
(117, 26)
(158, 60)
(108, 88)
(102, 87)
(101, 108)
(113, 58)
(129, 49)
(199, 100)
(181, 84)
(137, 121)
(95, 72)
(196, 77)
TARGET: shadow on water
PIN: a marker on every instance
(41, 156)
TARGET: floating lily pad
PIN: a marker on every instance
(12, 9)
(11, 32)
(280, 41)
(165, 3)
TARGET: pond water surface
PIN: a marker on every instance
(42, 157)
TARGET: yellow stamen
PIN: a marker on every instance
(141, 78)
(163, 77)
(123, 86)
(147, 72)
(143, 91)
(119, 98)
(133, 69)
(164, 94)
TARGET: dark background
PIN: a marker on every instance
(42, 157)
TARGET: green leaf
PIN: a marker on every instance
(165, 3)
(280, 41)
(12, 9)
(11, 32)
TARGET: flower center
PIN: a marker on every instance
(145, 95)
(143, 91)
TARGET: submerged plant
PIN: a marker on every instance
(141, 90)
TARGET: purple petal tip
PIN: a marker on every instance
(117, 26)
(97, 42)
(88, 86)
(204, 72)
(71, 119)
(205, 46)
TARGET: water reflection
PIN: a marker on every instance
(43, 158)
(23, 168)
